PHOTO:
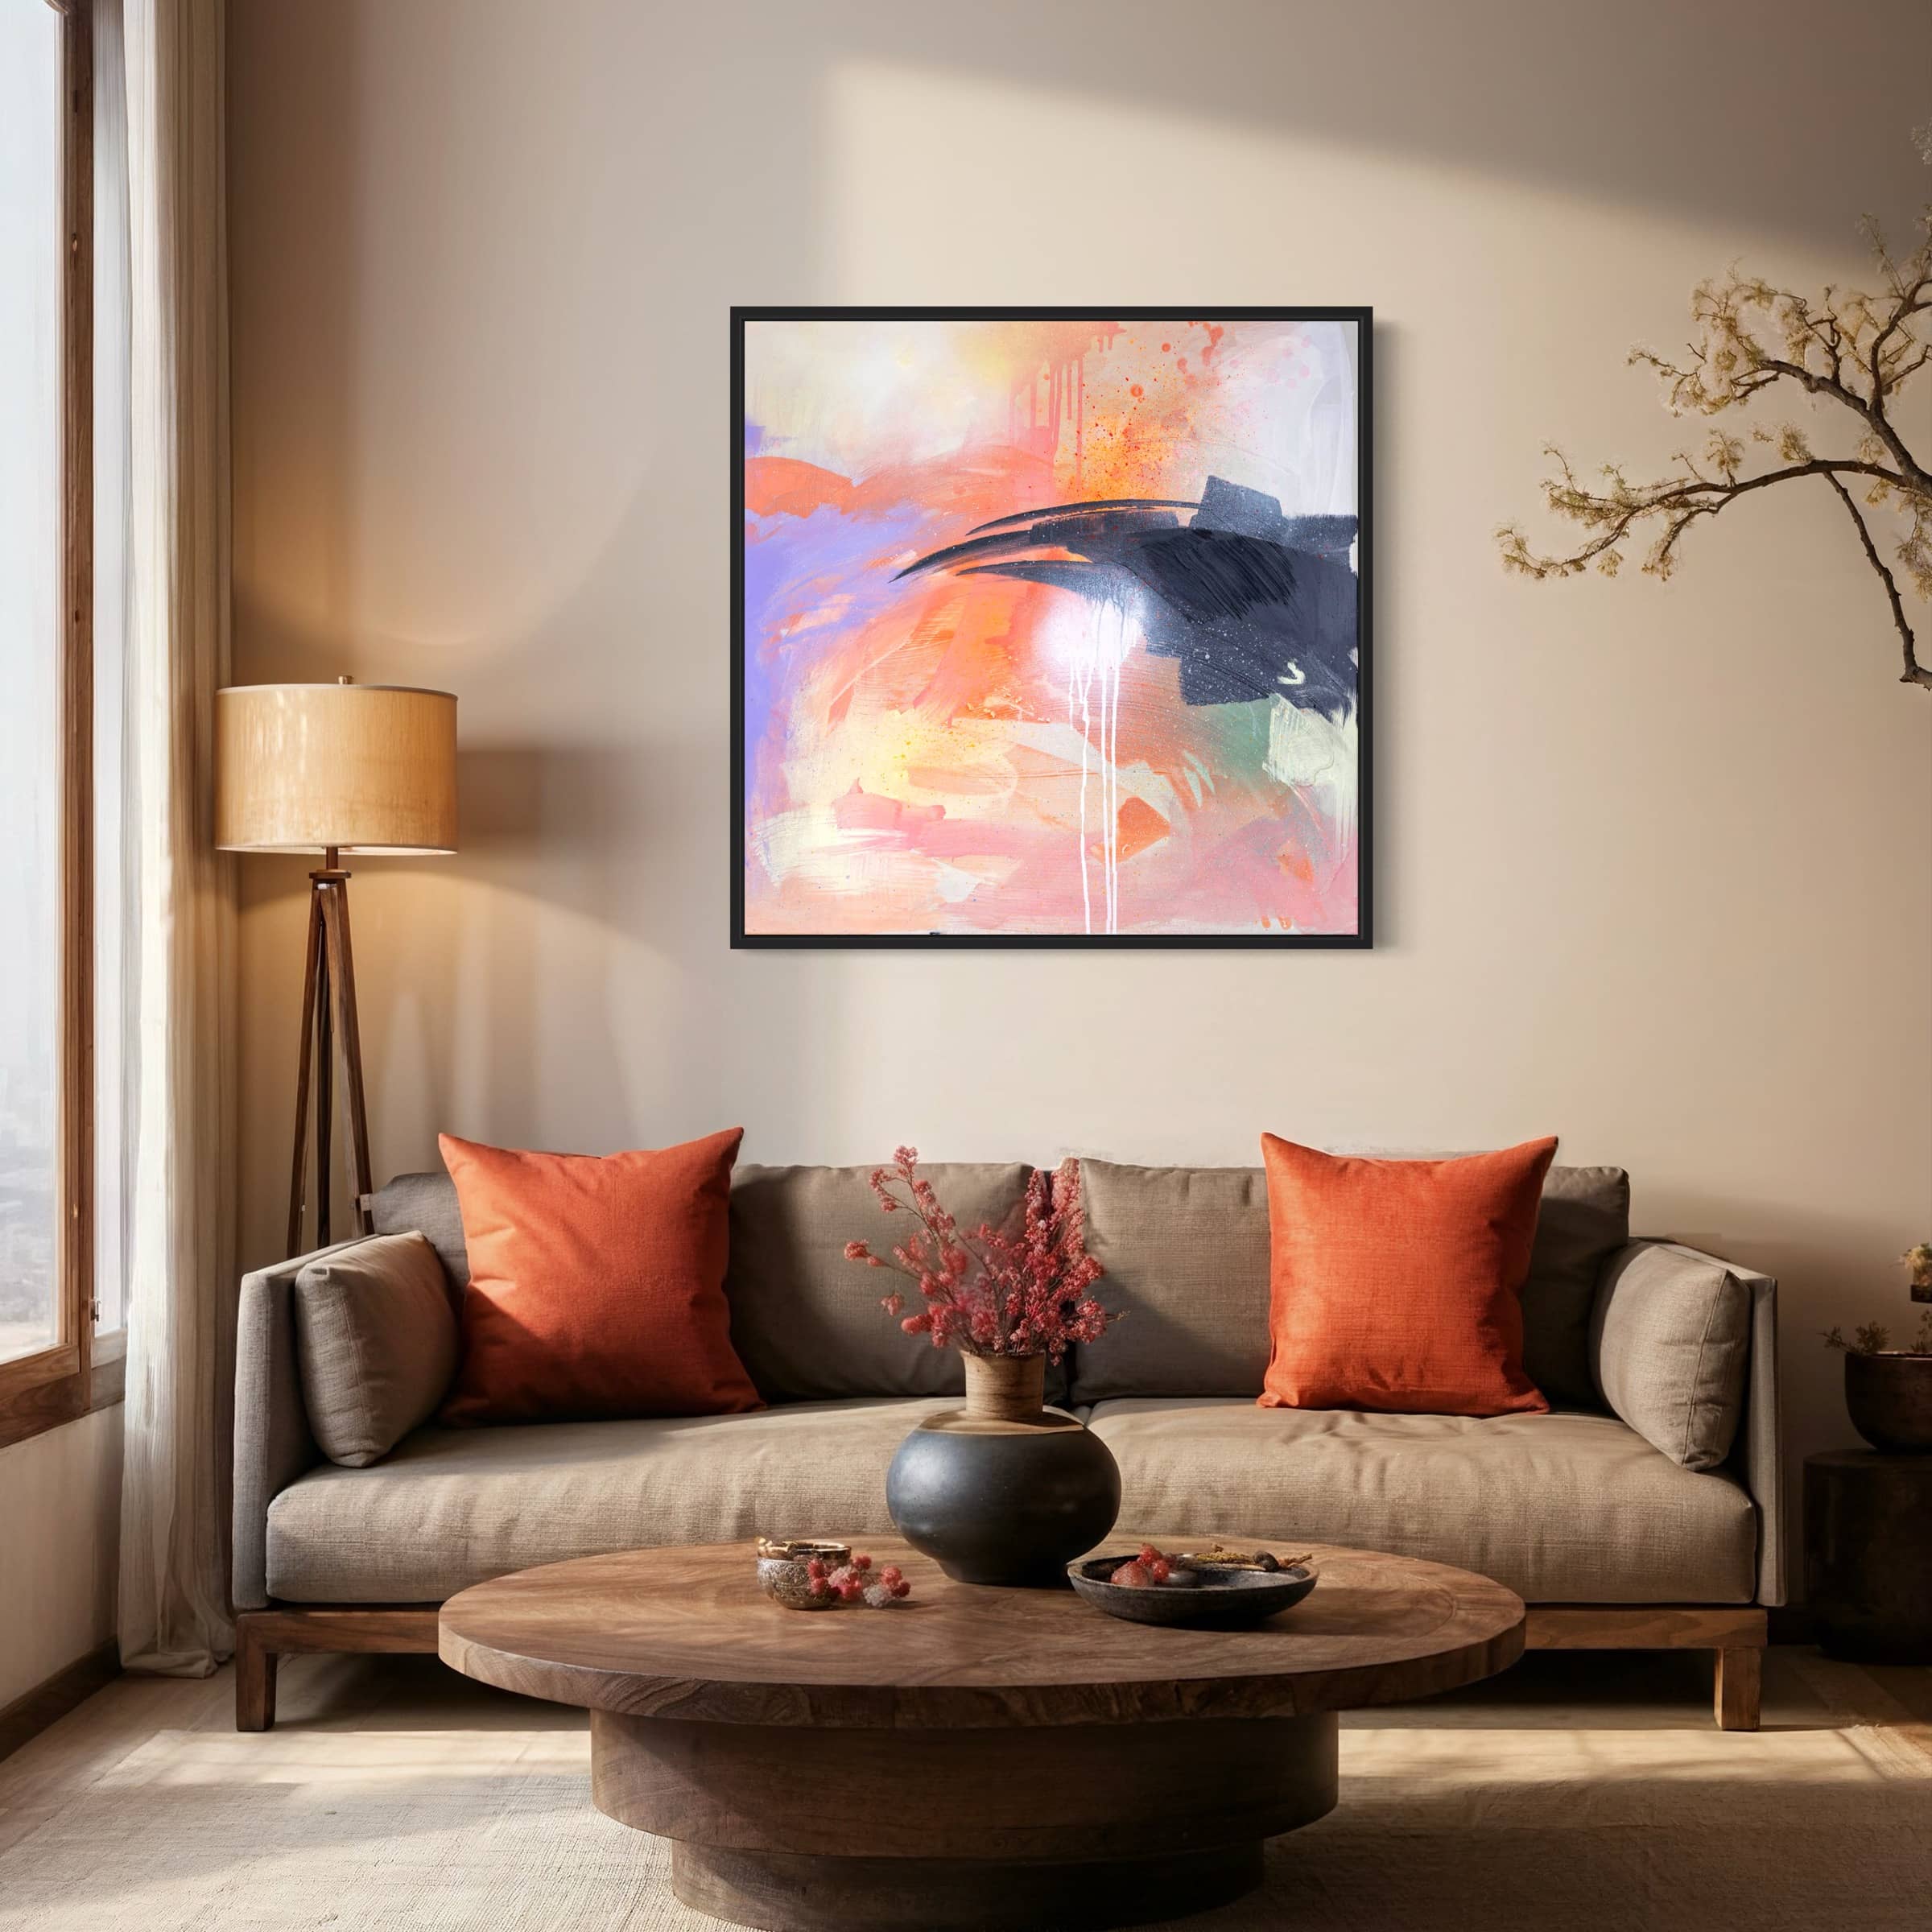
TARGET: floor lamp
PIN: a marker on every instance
(334, 768)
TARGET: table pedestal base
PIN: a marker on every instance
(789, 1893)
(799, 1828)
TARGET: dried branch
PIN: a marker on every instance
(1914, 672)
(1843, 348)
(1677, 501)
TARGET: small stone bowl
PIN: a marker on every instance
(781, 1573)
(1224, 1598)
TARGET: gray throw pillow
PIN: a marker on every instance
(1668, 1341)
(376, 1340)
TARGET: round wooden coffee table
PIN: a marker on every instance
(972, 1757)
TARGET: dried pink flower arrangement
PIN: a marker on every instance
(988, 1292)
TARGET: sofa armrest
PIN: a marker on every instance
(273, 1441)
(1756, 1456)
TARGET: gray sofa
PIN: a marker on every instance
(1644, 1510)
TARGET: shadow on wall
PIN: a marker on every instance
(1489, 84)
(622, 849)
(544, 827)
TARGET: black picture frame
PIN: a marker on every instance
(1363, 938)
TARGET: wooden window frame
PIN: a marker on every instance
(80, 1372)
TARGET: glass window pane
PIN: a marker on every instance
(111, 429)
(30, 642)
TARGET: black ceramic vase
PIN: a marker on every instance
(1005, 1490)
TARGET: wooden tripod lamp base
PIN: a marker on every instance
(328, 1014)
(333, 769)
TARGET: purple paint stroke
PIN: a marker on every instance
(790, 561)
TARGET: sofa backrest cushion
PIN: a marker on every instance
(807, 1323)
(1186, 1251)
(1585, 1220)
(425, 1204)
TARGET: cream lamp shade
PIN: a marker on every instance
(368, 768)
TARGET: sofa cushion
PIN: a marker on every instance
(1670, 1342)
(1186, 1250)
(1397, 1285)
(376, 1343)
(449, 1508)
(1561, 1508)
(1584, 1219)
(806, 1322)
(597, 1283)
(426, 1203)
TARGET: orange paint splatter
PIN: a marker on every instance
(1139, 826)
(1293, 860)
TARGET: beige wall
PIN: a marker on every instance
(60, 1513)
(1652, 863)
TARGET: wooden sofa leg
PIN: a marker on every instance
(263, 1637)
(255, 1676)
(1736, 1634)
(1740, 1676)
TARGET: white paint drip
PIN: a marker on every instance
(1076, 694)
(1099, 647)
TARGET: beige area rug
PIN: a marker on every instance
(1549, 1801)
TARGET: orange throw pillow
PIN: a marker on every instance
(1397, 1285)
(597, 1285)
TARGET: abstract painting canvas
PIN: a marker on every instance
(1051, 627)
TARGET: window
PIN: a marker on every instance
(47, 1342)
(30, 635)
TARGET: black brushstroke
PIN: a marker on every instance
(1253, 603)
(1061, 530)
(1060, 510)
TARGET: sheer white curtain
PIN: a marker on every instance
(179, 1096)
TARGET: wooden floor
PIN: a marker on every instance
(1637, 1690)
(1561, 1761)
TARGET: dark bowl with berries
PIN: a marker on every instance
(1200, 1590)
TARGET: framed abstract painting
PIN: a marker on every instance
(1051, 627)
